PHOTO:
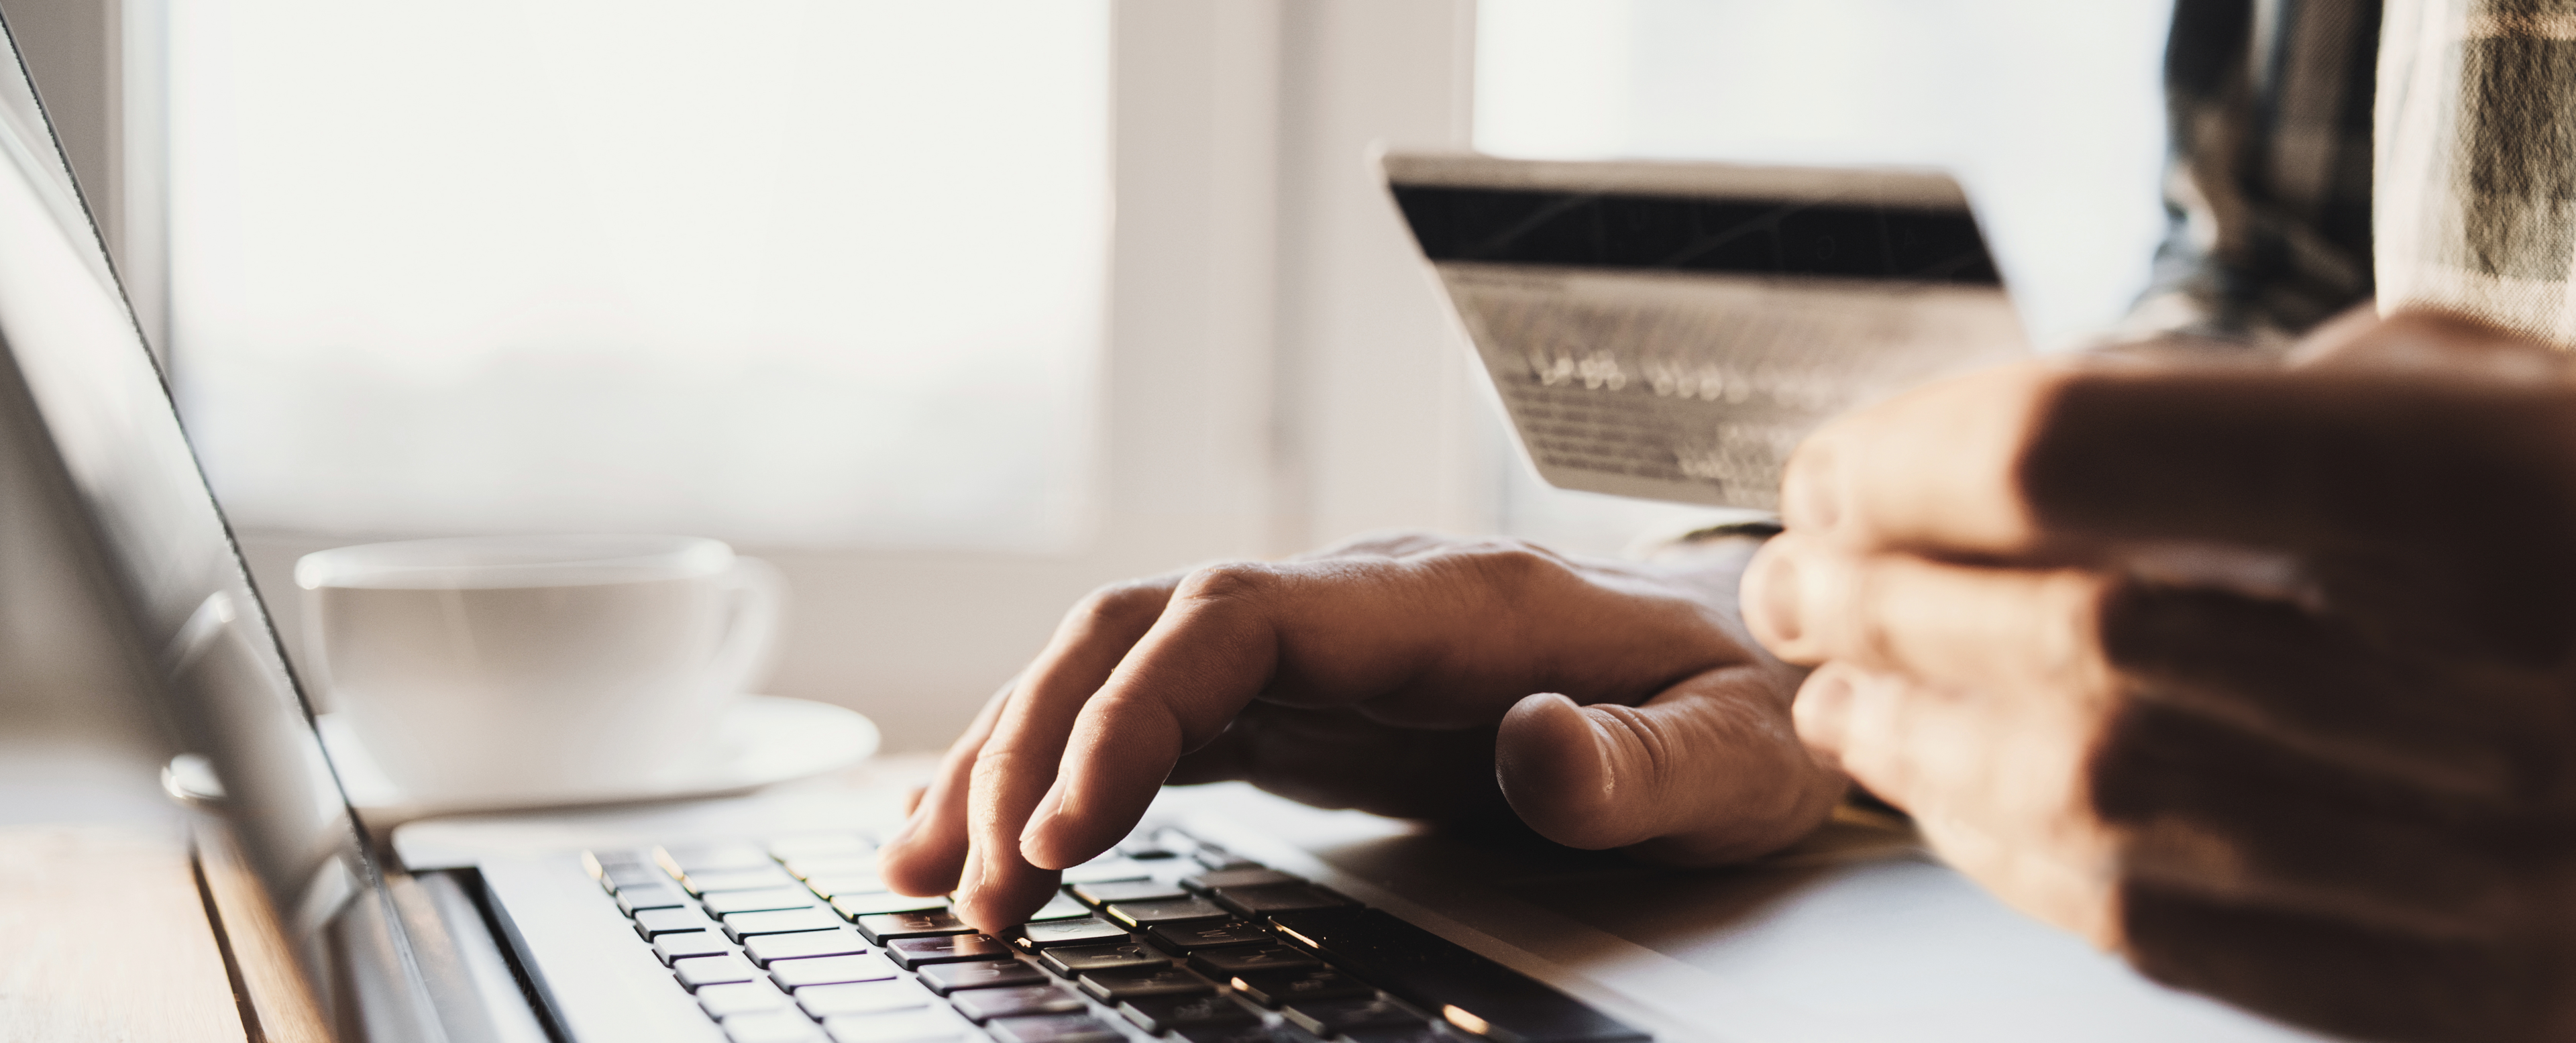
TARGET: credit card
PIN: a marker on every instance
(1671, 330)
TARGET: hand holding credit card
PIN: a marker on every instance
(1671, 330)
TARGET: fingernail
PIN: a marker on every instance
(1048, 808)
(1823, 709)
(1771, 596)
(1811, 493)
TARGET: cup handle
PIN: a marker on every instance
(759, 594)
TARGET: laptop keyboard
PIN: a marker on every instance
(1164, 937)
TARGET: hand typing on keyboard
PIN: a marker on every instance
(1618, 704)
(2260, 676)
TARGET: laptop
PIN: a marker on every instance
(1228, 917)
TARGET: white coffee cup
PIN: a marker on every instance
(537, 666)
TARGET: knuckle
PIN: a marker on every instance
(1005, 767)
(1650, 756)
(1232, 581)
(1507, 562)
(1120, 606)
(994, 761)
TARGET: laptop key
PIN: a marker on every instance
(1071, 960)
(817, 865)
(745, 997)
(779, 921)
(915, 953)
(886, 927)
(1402, 1034)
(836, 884)
(643, 874)
(1115, 986)
(600, 860)
(986, 1004)
(930, 1025)
(1060, 1028)
(1160, 1014)
(1280, 1032)
(727, 903)
(1179, 910)
(1060, 907)
(1259, 902)
(840, 941)
(1177, 839)
(1150, 847)
(1126, 891)
(866, 997)
(700, 971)
(1226, 963)
(701, 858)
(831, 970)
(633, 900)
(1471, 991)
(685, 944)
(1214, 878)
(1272, 988)
(1089, 930)
(785, 1026)
(1219, 860)
(880, 903)
(788, 849)
(706, 883)
(945, 978)
(654, 923)
(1192, 937)
(1102, 871)
(1331, 1017)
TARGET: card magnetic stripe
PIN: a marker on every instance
(1733, 236)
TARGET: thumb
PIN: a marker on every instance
(1710, 770)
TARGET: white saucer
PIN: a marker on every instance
(763, 740)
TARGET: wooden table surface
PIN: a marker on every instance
(109, 938)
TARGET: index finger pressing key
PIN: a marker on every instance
(1202, 662)
(993, 786)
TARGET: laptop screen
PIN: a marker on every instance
(78, 387)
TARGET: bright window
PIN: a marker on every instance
(788, 272)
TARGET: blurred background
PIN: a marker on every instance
(954, 311)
